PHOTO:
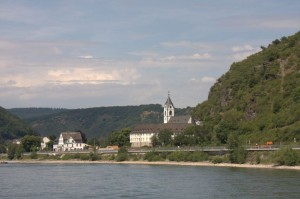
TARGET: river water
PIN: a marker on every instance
(72, 181)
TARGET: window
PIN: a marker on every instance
(170, 113)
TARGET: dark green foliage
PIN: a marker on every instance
(237, 152)
(2, 148)
(119, 138)
(33, 155)
(11, 127)
(11, 150)
(94, 156)
(31, 143)
(28, 113)
(154, 156)
(84, 157)
(185, 156)
(287, 156)
(165, 137)
(217, 159)
(94, 122)
(122, 154)
(258, 98)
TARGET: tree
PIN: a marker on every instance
(11, 150)
(165, 137)
(119, 138)
(31, 143)
(154, 140)
(237, 153)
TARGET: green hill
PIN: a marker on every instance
(28, 113)
(92, 121)
(259, 97)
(11, 126)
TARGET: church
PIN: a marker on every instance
(141, 134)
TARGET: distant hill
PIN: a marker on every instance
(11, 126)
(259, 97)
(92, 121)
(28, 113)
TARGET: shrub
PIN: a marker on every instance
(122, 157)
(197, 156)
(67, 157)
(94, 156)
(154, 156)
(217, 159)
(84, 157)
(33, 155)
(178, 156)
(238, 155)
(286, 156)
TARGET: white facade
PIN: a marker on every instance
(141, 139)
(68, 143)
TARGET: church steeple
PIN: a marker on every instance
(168, 109)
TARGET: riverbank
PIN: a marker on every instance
(206, 164)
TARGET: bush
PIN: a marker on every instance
(33, 155)
(238, 155)
(197, 156)
(84, 157)
(154, 156)
(286, 156)
(94, 156)
(122, 154)
(178, 156)
(122, 157)
(217, 159)
(67, 157)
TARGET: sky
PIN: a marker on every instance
(95, 53)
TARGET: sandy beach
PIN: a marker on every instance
(206, 164)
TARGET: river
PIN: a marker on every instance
(72, 181)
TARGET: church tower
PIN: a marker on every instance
(168, 109)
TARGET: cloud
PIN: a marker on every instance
(243, 51)
(242, 48)
(86, 57)
(195, 56)
(208, 79)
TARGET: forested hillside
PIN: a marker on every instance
(28, 113)
(259, 97)
(93, 121)
(11, 126)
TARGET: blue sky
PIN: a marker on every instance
(93, 53)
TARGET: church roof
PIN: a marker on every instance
(182, 119)
(156, 128)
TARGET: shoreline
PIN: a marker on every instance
(198, 164)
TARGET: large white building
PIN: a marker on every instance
(69, 141)
(142, 134)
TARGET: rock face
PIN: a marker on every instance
(259, 96)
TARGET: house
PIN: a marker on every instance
(44, 142)
(142, 134)
(69, 141)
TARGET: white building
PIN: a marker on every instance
(69, 141)
(142, 134)
(44, 142)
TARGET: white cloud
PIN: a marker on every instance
(195, 56)
(243, 51)
(207, 79)
(187, 44)
(86, 57)
(242, 48)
